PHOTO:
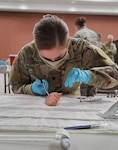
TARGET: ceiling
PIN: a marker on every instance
(102, 7)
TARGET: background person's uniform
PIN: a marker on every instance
(88, 34)
(29, 66)
(110, 50)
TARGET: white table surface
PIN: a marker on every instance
(27, 123)
(5, 69)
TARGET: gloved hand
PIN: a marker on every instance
(38, 87)
(77, 75)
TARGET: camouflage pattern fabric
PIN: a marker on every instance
(109, 50)
(28, 66)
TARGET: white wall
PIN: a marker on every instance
(102, 7)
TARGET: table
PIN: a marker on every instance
(27, 123)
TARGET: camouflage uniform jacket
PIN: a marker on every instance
(28, 66)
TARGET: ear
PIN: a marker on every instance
(68, 42)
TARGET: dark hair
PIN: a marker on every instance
(49, 32)
(80, 21)
(99, 36)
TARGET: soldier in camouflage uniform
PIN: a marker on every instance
(57, 61)
(109, 47)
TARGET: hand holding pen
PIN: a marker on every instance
(40, 87)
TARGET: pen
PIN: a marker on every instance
(82, 127)
(45, 89)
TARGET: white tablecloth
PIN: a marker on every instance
(27, 123)
(24, 112)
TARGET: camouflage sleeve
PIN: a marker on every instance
(110, 51)
(96, 57)
(19, 78)
(114, 49)
(88, 54)
(104, 77)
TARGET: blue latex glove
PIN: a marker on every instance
(77, 75)
(1, 63)
(38, 88)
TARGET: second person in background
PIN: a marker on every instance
(85, 33)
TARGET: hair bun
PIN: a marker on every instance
(47, 15)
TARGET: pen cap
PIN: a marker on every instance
(65, 143)
(64, 137)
